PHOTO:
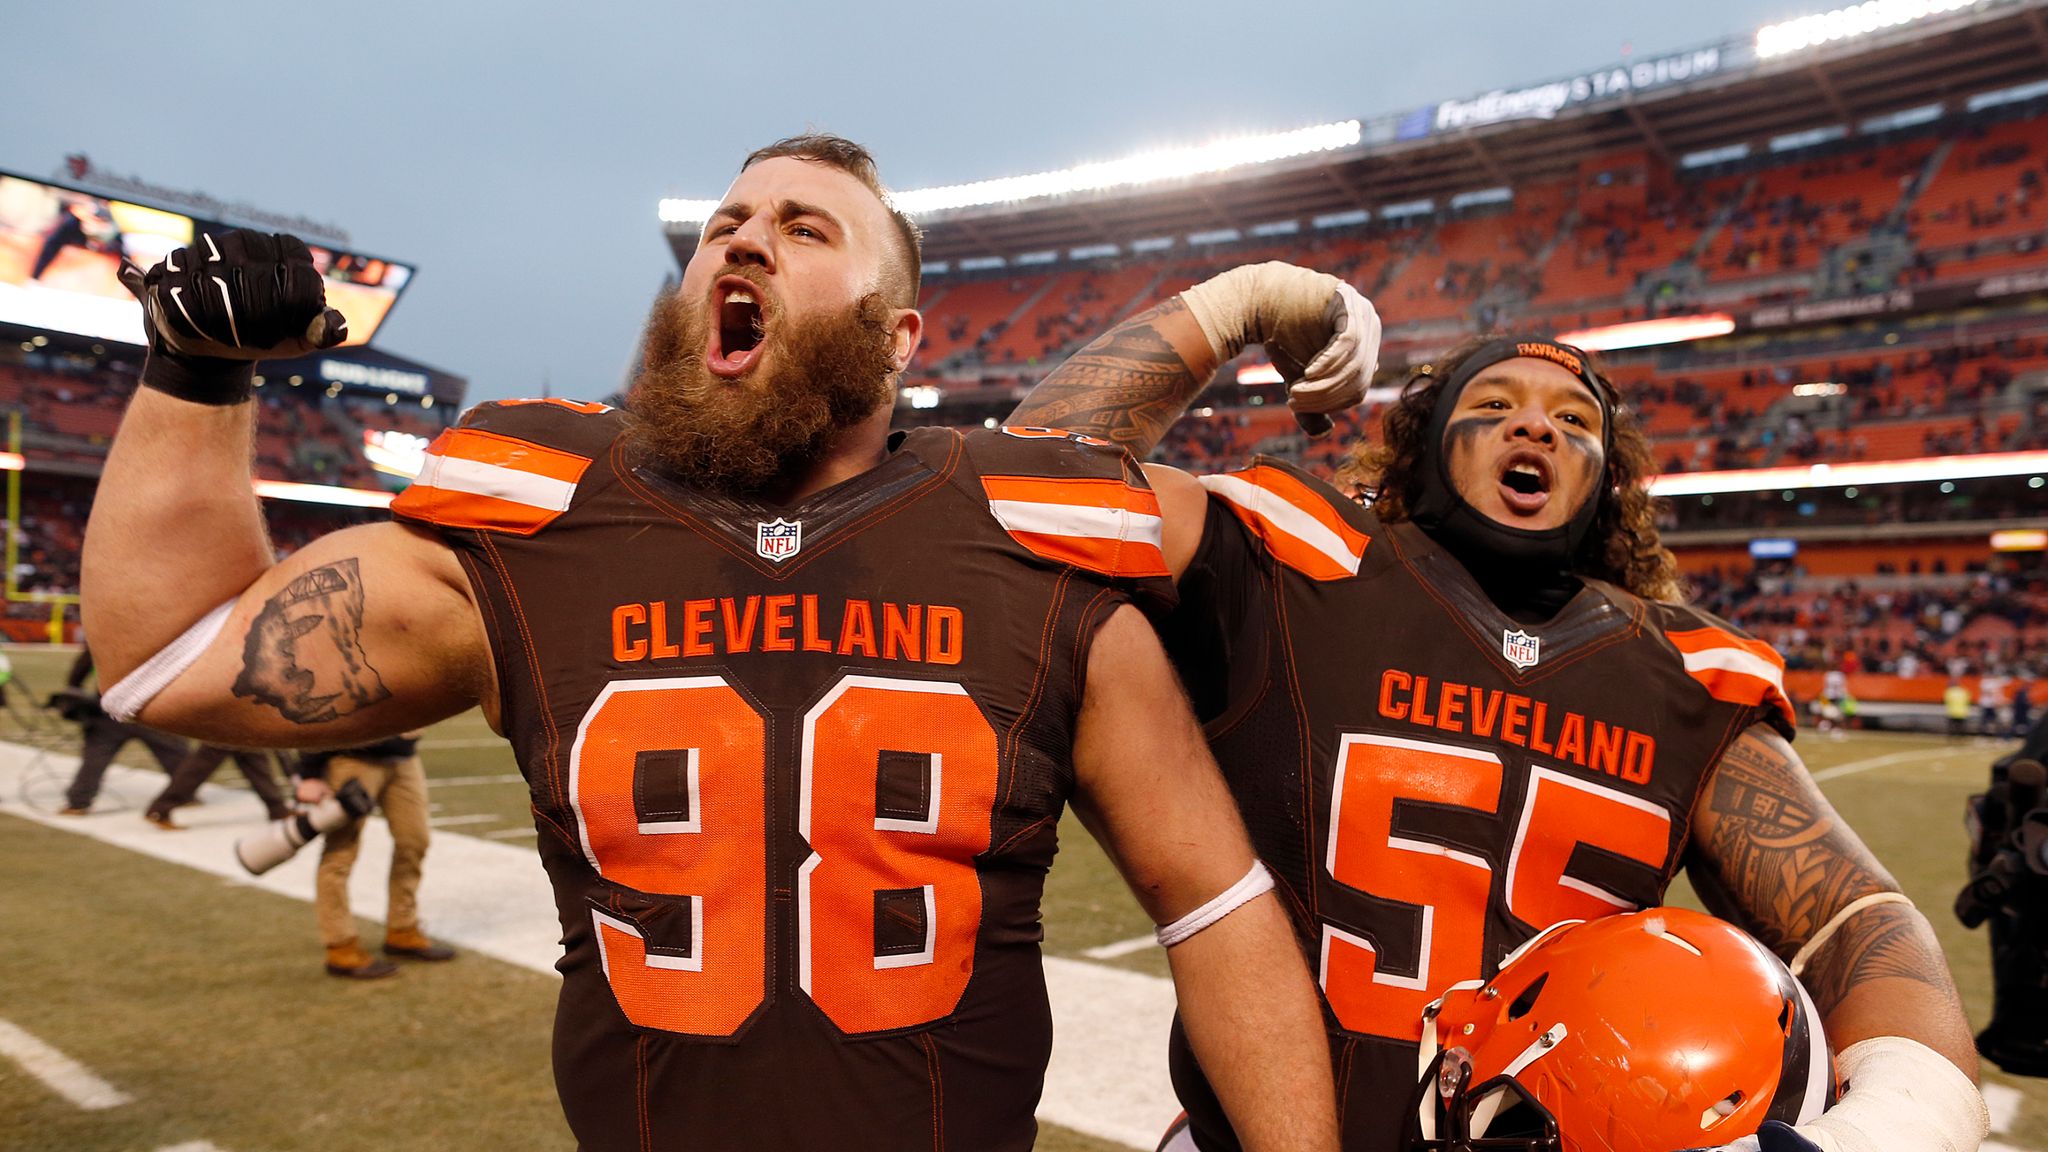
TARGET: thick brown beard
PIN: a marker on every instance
(741, 437)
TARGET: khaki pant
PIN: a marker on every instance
(400, 788)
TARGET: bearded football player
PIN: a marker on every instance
(1476, 706)
(799, 703)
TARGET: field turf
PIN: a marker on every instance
(204, 1002)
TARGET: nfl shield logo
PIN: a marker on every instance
(1520, 648)
(780, 540)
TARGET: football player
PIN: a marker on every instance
(799, 703)
(1479, 706)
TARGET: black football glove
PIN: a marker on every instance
(213, 310)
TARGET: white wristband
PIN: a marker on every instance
(126, 699)
(1256, 883)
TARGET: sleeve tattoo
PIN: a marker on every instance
(1128, 386)
(304, 654)
(1772, 854)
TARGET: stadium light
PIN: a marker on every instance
(1141, 168)
(1646, 333)
(322, 494)
(1846, 24)
(395, 453)
(12, 462)
(1928, 468)
(2019, 540)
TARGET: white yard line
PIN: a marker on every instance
(459, 821)
(1107, 1078)
(192, 1146)
(58, 1072)
(1855, 766)
(1121, 948)
(472, 781)
(511, 833)
(2003, 1102)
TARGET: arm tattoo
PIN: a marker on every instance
(1773, 855)
(304, 652)
(1128, 386)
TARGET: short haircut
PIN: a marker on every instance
(857, 162)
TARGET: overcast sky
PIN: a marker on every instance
(515, 150)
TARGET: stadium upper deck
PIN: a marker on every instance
(1744, 92)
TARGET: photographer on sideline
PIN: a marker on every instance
(104, 736)
(390, 772)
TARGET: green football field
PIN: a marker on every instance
(203, 1001)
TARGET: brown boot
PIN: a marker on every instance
(351, 962)
(412, 944)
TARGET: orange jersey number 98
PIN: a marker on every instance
(897, 783)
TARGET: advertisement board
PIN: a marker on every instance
(60, 258)
(61, 251)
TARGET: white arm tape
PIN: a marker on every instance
(132, 692)
(1256, 882)
(1902, 1096)
(1806, 950)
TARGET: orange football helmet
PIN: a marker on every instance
(1643, 1032)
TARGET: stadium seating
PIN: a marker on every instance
(1622, 242)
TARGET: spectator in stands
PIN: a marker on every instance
(104, 736)
(2022, 709)
(390, 772)
(198, 767)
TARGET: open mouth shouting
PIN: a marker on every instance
(741, 325)
(1526, 480)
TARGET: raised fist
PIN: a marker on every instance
(236, 295)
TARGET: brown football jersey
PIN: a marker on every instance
(1431, 782)
(797, 771)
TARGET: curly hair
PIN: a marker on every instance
(1624, 549)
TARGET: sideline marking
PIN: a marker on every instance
(458, 821)
(1889, 758)
(2003, 1102)
(192, 1146)
(1120, 948)
(58, 1072)
(511, 833)
(434, 782)
(1107, 1077)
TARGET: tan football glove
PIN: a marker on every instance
(1322, 335)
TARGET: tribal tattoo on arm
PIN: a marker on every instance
(1128, 386)
(304, 653)
(1769, 852)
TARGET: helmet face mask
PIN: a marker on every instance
(1640, 1032)
(1509, 1119)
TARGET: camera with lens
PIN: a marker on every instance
(2008, 889)
(75, 704)
(261, 851)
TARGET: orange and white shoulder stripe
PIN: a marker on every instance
(1292, 520)
(581, 407)
(1103, 525)
(1734, 669)
(478, 479)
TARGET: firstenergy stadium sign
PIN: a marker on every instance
(1545, 101)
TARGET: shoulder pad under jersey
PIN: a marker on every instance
(1734, 667)
(1069, 499)
(510, 466)
(1303, 522)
